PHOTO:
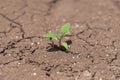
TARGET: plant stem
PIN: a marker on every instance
(60, 42)
(52, 42)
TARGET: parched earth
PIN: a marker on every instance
(95, 34)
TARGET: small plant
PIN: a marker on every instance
(59, 36)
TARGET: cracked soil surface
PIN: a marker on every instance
(95, 34)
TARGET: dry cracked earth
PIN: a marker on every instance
(95, 34)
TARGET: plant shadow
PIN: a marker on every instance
(54, 48)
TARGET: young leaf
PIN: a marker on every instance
(50, 35)
(65, 28)
(59, 35)
(65, 45)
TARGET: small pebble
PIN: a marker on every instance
(34, 69)
(73, 57)
(115, 49)
(100, 79)
(58, 72)
(16, 37)
(32, 43)
(9, 54)
(18, 63)
(76, 25)
(107, 55)
(38, 42)
(87, 73)
(34, 74)
(74, 63)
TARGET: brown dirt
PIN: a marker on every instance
(95, 34)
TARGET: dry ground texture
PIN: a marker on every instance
(95, 34)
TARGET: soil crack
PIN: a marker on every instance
(14, 22)
(51, 6)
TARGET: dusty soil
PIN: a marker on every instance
(95, 34)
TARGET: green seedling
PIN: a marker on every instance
(59, 36)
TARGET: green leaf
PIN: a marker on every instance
(59, 35)
(50, 35)
(65, 45)
(65, 28)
